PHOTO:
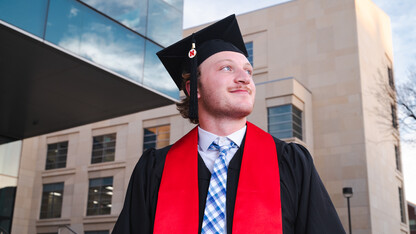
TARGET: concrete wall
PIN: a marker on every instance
(375, 56)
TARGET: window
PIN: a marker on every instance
(285, 121)
(398, 161)
(249, 47)
(412, 224)
(393, 116)
(402, 208)
(103, 148)
(52, 197)
(56, 156)
(156, 137)
(391, 77)
(100, 193)
(97, 232)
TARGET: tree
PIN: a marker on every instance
(406, 101)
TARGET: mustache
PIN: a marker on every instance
(241, 87)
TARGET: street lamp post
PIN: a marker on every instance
(347, 191)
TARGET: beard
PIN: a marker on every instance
(222, 106)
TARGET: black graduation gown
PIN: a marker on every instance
(306, 206)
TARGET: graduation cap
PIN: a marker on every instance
(188, 53)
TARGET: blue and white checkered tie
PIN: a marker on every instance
(214, 215)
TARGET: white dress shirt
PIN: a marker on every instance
(205, 139)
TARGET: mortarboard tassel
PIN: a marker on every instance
(193, 101)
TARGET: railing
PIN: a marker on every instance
(3, 231)
(67, 227)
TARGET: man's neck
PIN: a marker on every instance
(222, 127)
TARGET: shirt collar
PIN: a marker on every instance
(206, 138)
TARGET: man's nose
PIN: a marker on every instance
(243, 76)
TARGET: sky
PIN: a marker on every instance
(403, 22)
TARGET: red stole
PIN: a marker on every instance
(257, 207)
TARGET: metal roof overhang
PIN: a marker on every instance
(44, 89)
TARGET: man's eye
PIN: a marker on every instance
(250, 72)
(226, 68)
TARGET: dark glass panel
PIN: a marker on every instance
(132, 13)
(155, 75)
(103, 149)
(25, 14)
(52, 197)
(164, 23)
(285, 121)
(249, 47)
(280, 127)
(287, 117)
(279, 109)
(77, 28)
(56, 155)
(99, 196)
(156, 137)
(178, 4)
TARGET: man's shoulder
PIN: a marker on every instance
(156, 154)
(292, 151)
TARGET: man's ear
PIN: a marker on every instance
(188, 89)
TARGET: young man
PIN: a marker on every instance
(226, 175)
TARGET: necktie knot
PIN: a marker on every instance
(223, 149)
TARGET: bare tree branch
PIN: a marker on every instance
(406, 100)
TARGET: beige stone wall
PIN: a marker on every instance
(376, 55)
(76, 175)
(323, 56)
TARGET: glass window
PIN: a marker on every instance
(103, 148)
(249, 47)
(398, 161)
(56, 155)
(156, 137)
(81, 30)
(131, 13)
(393, 116)
(178, 4)
(391, 77)
(164, 22)
(25, 14)
(412, 224)
(285, 121)
(155, 75)
(100, 193)
(7, 199)
(402, 208)
(52, 197)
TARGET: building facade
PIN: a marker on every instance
(73, 62)
(324, 77)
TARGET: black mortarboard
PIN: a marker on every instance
(188, 53)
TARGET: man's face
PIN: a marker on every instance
(226, 88)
